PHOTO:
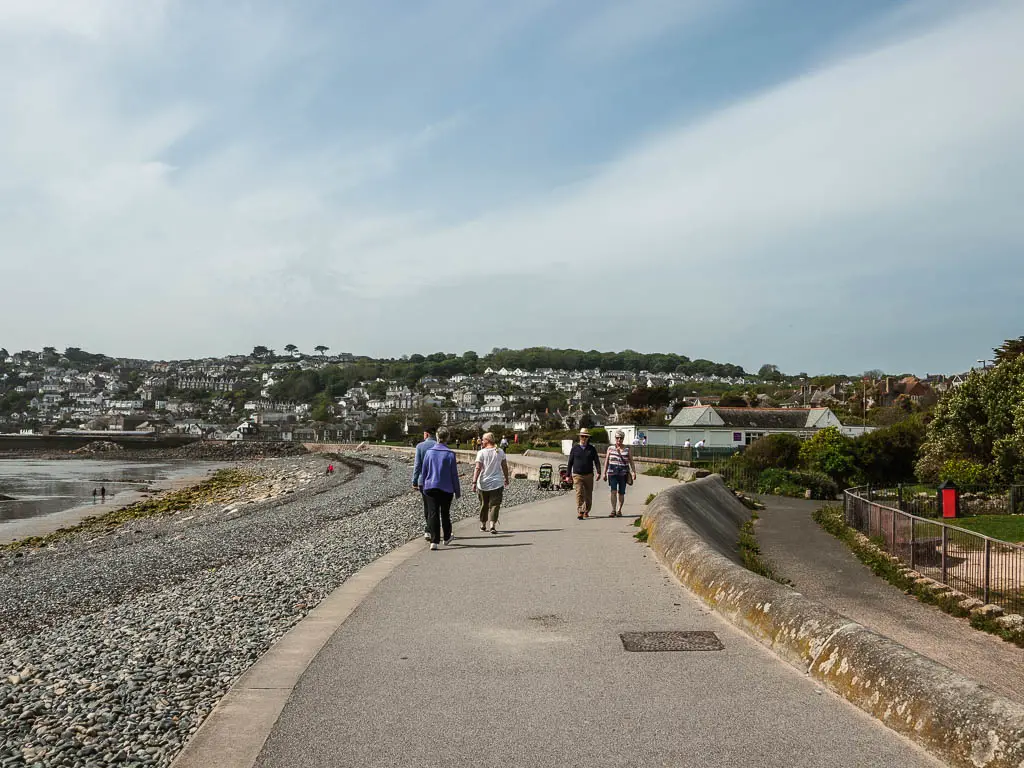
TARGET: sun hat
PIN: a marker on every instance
(584, 432)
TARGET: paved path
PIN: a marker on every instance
(504, 650)
(823, 568)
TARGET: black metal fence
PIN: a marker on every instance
(979, 566)
(974, 500)
(680, 453)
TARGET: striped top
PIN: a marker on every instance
(616, 460)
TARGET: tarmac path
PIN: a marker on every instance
(824, 569)
(504, 650)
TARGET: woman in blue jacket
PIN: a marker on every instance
(439, 478)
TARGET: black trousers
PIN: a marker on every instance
(439, 518)
(426, 512)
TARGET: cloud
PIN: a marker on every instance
(785, 227)
(620, 27)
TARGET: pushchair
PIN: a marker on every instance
(564, 481)
(544, 477)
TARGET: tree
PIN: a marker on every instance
(291, 349)
(259, 352)
(389, 427)
(888, 455)
(829, 451)
(732, 400)
(429, 417)
(323, 408)
(1010, 349)
(321, 349)
(781, 451)
(769, 372)
(981, 420)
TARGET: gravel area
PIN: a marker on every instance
(114, 649)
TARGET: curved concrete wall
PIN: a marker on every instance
(693, 529)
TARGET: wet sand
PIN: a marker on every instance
(43, 524)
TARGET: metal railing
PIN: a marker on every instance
(680, 453)
(979, 566)
(974, 500)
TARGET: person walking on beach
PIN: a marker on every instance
(93, 495)
(584, 468)
(417, 471)
(440, 483)
(103, 494)
(619, 471)
(490, 479)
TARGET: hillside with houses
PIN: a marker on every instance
(320, 396)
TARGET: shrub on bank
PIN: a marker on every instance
(781, 482)
(662, 470)
(780, 451)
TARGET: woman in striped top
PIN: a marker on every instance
(619, 470)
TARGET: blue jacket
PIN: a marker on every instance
(441, 470)
(417, 465)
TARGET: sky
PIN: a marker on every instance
(826, 187)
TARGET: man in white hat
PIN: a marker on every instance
(584, 468)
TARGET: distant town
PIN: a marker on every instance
(306, 396)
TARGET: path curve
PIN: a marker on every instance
(824, 569)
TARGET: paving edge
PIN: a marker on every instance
(233, 734)
(951, 716)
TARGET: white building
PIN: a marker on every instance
(731, 427)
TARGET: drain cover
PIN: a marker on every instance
(671, 641)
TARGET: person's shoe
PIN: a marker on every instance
(483, 527)
(433, 545)
(493, 529)
(586, 514)
(579, 516)
(448, 541)
(426, 536)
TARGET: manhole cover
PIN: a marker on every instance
(671, 641)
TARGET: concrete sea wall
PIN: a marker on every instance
(693, 529)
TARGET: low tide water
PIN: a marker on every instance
(39, 487)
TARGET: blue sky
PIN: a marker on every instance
(822, 186)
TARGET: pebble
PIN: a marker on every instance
(115, 649)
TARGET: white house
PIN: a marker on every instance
(731, 427)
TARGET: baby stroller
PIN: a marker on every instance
(564, 481)
(544, 477)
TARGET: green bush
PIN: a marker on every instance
(773, 451)
(781, 482)
(821, 485)
(662, 470)
(829, 451)
(964, 472)
(888, 456)
(778, 482)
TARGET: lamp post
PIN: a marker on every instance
(984, 364)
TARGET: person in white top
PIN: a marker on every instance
(697, 447)
(490, 479)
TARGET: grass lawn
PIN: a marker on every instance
(1004, 527)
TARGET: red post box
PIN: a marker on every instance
(949, 499)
